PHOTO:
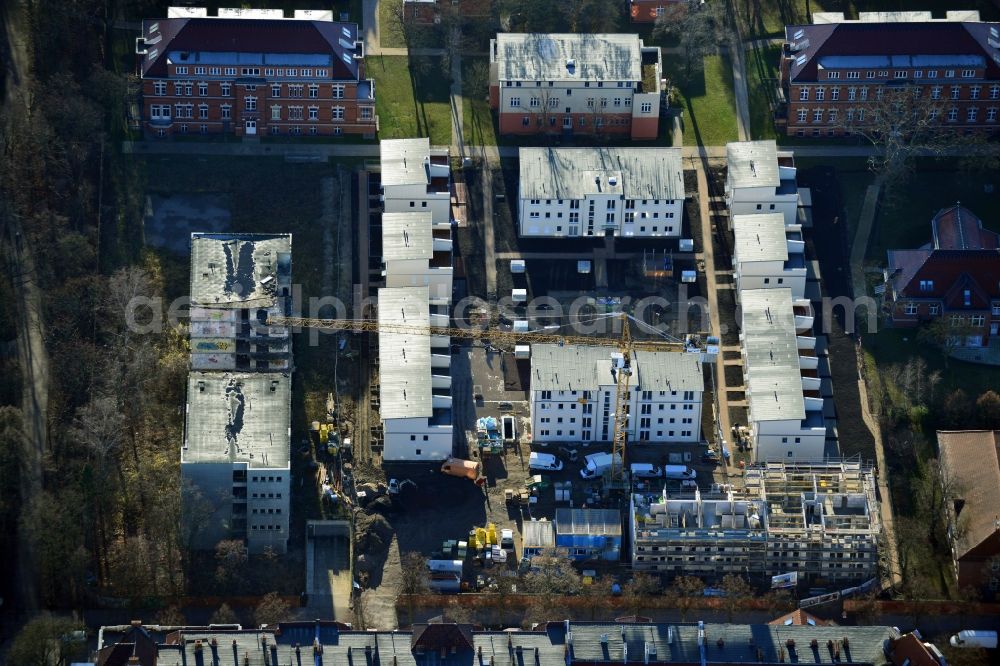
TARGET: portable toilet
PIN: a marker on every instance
(686, 245)
(517, 265)
(522, 352)
(519, 295)
(689, 276)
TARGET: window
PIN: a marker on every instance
(366, 112)
(182, 70)
(900, 74)
(160, 88)
(313, 91)
(952, 114)
(275, 113)
(295, 91)
(971, 113)
(293, 72)
(817, 115)
(974, 92)
(250, 103)
(968, 73)
(931, 73)
(977, 320)
(203, 90)
(338, 91)
(618, 101)
(935, 92)
(996, 309)
(957, 321)
(861, 115)
(991, 114)
(956, 91)
(883, 73)
(834, 94)
(918, 73)
(803, 94)
(933, 309)
(515, 102)
(852, 75)
(313, 113)
(226, 89)
(230, 71)
(227, 111)
(337, 113)
(833, 119)
(276, 91)
(647, 107)
(833, 75)
(851, 93)
(864, 93)
(910, 308)
(949, 73)
(820, 94)
(927, 285)
(203, 111)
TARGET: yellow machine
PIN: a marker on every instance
(626, 346)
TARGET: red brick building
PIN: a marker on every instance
(428, 12)
(832, 72)
(247, 75)
(970, 468)
(569, 84)
(646, 11)
(956, 275)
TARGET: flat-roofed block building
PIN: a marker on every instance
(253, 72)
(417, 252)
(784, 404)
(570, 84)
(237, 282)
(573, 391)
(235, 459)
(415, 178)
(761, 179)
(414, 376)
(768, 254)
(570, 192)
(819, 520)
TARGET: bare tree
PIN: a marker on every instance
(901, 122)
(40, 643)
(171, 616)
(988, 410)
(231, 559)
(413, 578)
(636, 592)
(737, 591)
(552, 574)
(271, 609)
(224, 615)
(701, 28)
(684, 593)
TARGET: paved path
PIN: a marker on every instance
(457, 122)
(369, 24)
(860, 245)
(738, 57)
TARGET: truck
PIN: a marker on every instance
(464, 468)
(596, 464)
(974, 638)
(679, 473)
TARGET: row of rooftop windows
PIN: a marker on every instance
(306, 72)
(861, 93)
(820, 115)
(586, 84)
(589, 395)
(629, 203)
(292, 91)
(902, 74)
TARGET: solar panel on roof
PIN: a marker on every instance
(801, 60)
(798, 34)
(345, 31)
(994, 32)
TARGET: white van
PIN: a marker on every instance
(974, 638)
(597, 464)
(545, 462)
(679, 472)
(646, 471)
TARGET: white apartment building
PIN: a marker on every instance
(576, 84)
(235, 468)
(570, 192)
(417, 252)
(414, 376)
(760, 179)
(785, 409)
(237, 282)
(573, 392)
(767, 254)
(415, 178)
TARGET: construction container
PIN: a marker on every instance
(522, 352)
(517, 265)
(520, 325)
(519, 295)
(583, 267)
(459, 467)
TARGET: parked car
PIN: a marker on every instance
(679, 472)
(545, 462)
(596, 464)
(646, 471)
(689, 484)
(711, 457)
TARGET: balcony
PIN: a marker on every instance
(808, 362)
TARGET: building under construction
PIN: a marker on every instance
(819, 521)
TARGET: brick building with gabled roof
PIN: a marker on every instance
(956, 275)
(253, 72)
(834, 69)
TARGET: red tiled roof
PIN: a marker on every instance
(223, 35)
(958, 228)
(889, 39)
(971, 460)
(975, 270)
(800, 617)
(910, 649)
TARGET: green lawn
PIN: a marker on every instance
(707, 101)
(904, 221)
(390, 33)
(412, 98)
(762, 81)
(477, 119)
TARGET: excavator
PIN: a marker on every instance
(626, 346)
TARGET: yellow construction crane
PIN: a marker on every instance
(626, 345)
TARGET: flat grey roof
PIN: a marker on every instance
(585, 368)
(405, 357)
(753, 163)
(760, 237)
(569, 57)
(772, 357)
(595, 522)
(238, 418)
(407, 236)
(404, 161)
(538, 534)
(572, 173)
(238, 270)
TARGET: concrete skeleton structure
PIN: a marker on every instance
(237, 282)
(785, 409)
(569, 192)
(573, 390)
(253, 71)
(576, 84)
(235, 461)
(760, 179)
(768, 254)
(819, 520)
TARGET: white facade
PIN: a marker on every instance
(573, 392)
(767, 254)
(415, 178)
(415, 377)
(235, 468)
(568, 192)
(759, 179)
(416, 252)
(785, 410)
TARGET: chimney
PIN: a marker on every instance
(136, 623)
(199, 654)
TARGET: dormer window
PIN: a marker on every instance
(927, 285)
